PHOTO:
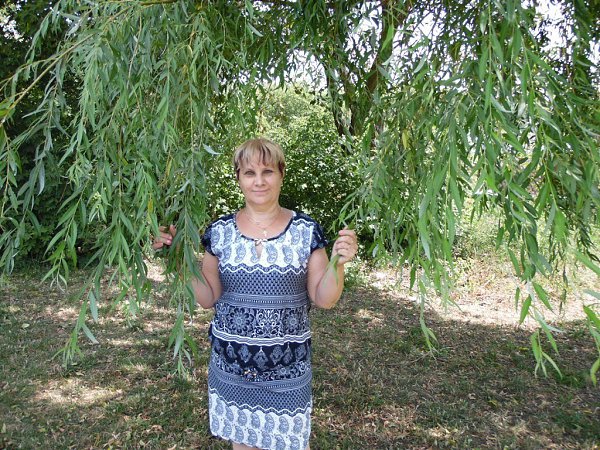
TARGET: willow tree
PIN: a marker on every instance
(435, 102)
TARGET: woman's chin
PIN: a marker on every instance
(261, 200)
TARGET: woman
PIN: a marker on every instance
(262, 268)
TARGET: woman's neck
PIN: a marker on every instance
(262, 212)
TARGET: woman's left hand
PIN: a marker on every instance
(346, 246)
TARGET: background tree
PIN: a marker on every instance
(434, 102)
(19, 22)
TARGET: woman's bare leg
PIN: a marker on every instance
(243, 447)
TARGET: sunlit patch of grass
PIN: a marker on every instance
(63, 391)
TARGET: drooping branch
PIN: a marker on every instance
(338, 118)
(355, 84)
(156, 2)
(53, 62)
(392, 17)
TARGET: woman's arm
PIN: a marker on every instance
(326, 282)
(208, 290)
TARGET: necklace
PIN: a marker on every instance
(264, 228)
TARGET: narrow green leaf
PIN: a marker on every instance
(587, 262)
(542, 295)
(592, 317)
(482, 67)
(93, 304)
(551, 361)
(535, 347)
(388, 38)
(547, 330)
(89, 334)
(594, 370)
(497, 48)
(253, 30)
(525, 309)
(210, 150)
(424, 238)
(515, 263)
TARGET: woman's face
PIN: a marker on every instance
(260, 183)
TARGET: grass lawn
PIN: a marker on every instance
(375, 385)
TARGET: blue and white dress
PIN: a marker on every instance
(259, 376)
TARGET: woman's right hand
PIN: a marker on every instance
(165, 237)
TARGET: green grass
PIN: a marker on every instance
(375, 385)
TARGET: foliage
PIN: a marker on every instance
(434, 102)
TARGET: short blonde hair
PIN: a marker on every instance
(266, 151)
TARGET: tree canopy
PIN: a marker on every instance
(435, 103)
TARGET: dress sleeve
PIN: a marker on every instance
(206, 240)
(318, 238)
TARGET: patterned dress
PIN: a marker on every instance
(259, 377)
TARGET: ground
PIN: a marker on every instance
(376, 386)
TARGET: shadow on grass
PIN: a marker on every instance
(375, 385)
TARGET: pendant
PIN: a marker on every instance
(258, 242)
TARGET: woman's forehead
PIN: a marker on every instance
(256, 163)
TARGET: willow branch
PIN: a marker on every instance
(156, 2)
(55, 61)
(390, 20)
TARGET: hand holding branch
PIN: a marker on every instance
(345, 246)
(165, 237)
